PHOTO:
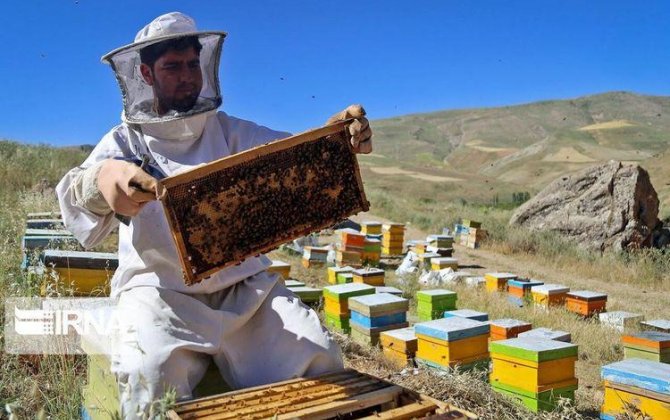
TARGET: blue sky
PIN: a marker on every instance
(394, 57)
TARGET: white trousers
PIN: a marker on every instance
(256, 331)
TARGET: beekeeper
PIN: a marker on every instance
(252, 327)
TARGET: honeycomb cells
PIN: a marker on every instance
(254, 206)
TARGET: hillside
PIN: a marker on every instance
(522, 148)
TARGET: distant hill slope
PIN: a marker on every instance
(524, 147)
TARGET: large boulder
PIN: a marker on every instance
(612, 205)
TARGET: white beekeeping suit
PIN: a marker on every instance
(252, 327)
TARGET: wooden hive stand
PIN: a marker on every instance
(344, 394)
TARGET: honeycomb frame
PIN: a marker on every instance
(267, 195)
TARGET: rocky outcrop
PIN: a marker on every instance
(610, 206)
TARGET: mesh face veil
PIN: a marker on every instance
(139, 98)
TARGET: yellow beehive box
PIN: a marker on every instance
(621, 399)
(446, 353)
(533, 376)
(281, 268)
(371, 228)
(497, 282)
(398, 358)
(402, 340)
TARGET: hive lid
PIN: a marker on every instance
(452, 329)
(587, 295)
(345, 291)
(550, 289)
(547, 334)
(645, 374)
(533, 349)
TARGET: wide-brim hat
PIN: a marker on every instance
(168, 26)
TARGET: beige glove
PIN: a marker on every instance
(361, 134)
(125, 186)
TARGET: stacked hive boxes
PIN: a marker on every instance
(32, 244)
(372, 250)
(336, 304)
(308, 295)
(440, 263)
(660, 325)
(352, 244)
(393, 236)
(649, 345)
(371, 276)
(497, 282)
(548, 295)
(281, 268)
(441, 244)
(84, 273)
(333, 272)
(536, 372)
(621, 320)
(504, 329)
(520, 291)
(431, 304)
(547, 334)
(399, 346)
(586, 303)
(636, 388)
(447, 342)
(371, 228)
(467, 313)
(471, 234)
(375, 313)
(314, 256)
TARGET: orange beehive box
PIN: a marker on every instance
(503, 329)
(549, 294)
(585, 303)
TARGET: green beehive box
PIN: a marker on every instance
(308, 294)
(344, 278)
(533, 349)
(436, 296)
(536, 402)
(338, 323)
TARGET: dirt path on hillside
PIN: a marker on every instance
(653, 304)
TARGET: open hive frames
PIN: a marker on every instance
(252, 202)
(344, 394)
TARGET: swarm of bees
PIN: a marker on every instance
(276, 195)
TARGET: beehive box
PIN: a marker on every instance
(642, 385)
(308, 295)
(547, 334)
(345, 394)
(344, 278)
(431, 304)
(649, 345)
(440, 263)
(334, 271)
(661, 325)
(378, 304)
(84, 273)
(399, 345)
(253, 201)
(371, 276)
(549, 294)
(447, 342)
(621, 320)
(371, 228)
(519, 291)
(281, 268)
(585, 302)
(45, 224)
(370, 336)
(467, 313)
(293, 283)
(535, 371)
(388, 289)
(497, 282)
(503, 329)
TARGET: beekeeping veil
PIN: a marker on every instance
(138, 96)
